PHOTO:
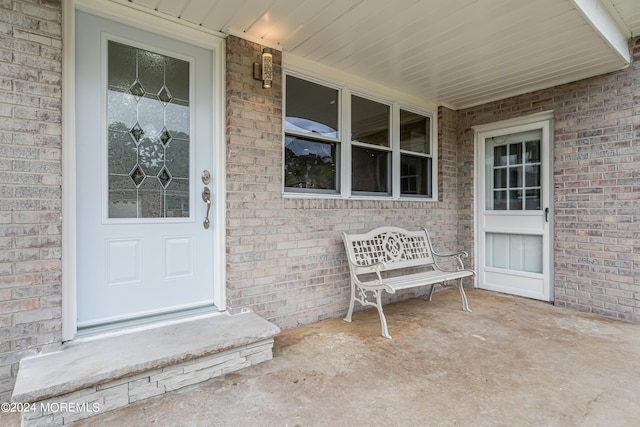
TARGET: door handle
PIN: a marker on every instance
(546, 214)
(206, 196)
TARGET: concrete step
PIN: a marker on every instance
(98, 375)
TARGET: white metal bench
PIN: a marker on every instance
(387, 259)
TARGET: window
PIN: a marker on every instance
(415, 158)
(311, 143)
(388, 149)
(370, 146)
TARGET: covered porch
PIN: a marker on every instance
(469, 72)
(511, 362)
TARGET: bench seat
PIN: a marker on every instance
(418, 279)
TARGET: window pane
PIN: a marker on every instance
(514, 252)
(533, 200)
(415, 173)
(311, 108)
(500, 155)
(369, 121)
(499, 200)
(515, 200)
(532, 176)
(415, 132)
(515, 177)
(370, 170)
(532, 154)
(500, 178)
(515, 154)
(310, 164)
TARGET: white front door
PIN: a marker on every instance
(513, 206)
(144, 135)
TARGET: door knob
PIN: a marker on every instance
(206, 177)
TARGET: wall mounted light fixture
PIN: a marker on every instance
(264, 71)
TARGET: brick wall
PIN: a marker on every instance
(596, 150)
(30, 182)
(285, 259)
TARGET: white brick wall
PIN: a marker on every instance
(30, 180)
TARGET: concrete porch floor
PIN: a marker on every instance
(512, 362)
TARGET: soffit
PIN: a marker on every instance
(457, 53)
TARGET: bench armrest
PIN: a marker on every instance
(379, 266)
(457, 255)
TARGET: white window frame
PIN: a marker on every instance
(343, 179)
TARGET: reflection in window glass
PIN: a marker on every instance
(311, 108)
(415, 132)
(314, 142)
(370, 170)
(369, 121)
(415, 172)
(310, 164)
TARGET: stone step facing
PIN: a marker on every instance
(94, 376)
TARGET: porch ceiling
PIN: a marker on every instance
(457, 53)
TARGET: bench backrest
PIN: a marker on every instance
(393, 246)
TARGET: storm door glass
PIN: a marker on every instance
(514, 172)
(148, 135)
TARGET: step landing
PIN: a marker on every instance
(90, 377)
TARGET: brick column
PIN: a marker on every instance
(30, 182)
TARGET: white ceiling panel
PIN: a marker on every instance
(628, 11)
(171, 7)
(456, 53)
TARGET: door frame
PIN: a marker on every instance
(545, 116)
(128, 13)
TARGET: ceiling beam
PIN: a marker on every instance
(606, 25)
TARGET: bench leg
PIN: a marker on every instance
(465, 303)
(353, 300)
(383, 319)
(365, 301)
(433, 288)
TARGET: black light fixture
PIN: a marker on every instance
(264, 71)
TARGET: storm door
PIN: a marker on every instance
(513, 249)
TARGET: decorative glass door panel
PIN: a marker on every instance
(148, 136)
(514, 232)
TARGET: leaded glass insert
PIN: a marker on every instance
(165, 136)
(137, 175)
(164, 95)
(137, 133)
(149, 134)
(137, 89)
(164, 177)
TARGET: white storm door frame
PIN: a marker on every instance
(536, 121)
(130, 14)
